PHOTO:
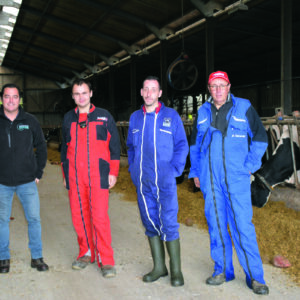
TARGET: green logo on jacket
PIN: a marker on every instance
(22, 127)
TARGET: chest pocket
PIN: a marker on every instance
(135, 137)
(101, 130)
(238, 128)
(165, 143)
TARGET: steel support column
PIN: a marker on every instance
(163, 71)
(133, 90)
(286, 56)
(209, 42)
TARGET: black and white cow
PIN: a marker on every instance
(277, 169)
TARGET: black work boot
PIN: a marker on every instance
(259, 288)
(39, 264)
(4, 265)
(216, 280)
(158, 255)
(173, 248)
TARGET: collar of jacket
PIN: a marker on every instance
(92, 108)
(157, 109)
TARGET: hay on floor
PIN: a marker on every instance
(277, 226)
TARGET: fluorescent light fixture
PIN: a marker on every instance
(12, 12)
(7, 27)
(12, 20)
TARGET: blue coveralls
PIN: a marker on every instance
(157, 151)
(223, 162)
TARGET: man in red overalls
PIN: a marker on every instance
(90, 157)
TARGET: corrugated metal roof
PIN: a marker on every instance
(61, 40)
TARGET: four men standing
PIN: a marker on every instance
(229, 143)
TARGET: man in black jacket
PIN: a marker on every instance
(21, 168)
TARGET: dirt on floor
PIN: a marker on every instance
(277, 226)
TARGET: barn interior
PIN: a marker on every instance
(115, 44)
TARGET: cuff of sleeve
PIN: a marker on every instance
(114, 167)
(193, 174)
(62, 169)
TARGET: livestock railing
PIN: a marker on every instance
(290, 126)
(123, 131)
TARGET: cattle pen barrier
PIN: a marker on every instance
(278, 126)
(275, 124)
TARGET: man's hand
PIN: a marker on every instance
(37, 180)
(65, 184)
(112, 180)
(197, 182)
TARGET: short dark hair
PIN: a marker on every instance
(81, 81)
(150, 77)
(10, 86)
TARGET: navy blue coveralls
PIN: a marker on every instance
(230, 143)
(157, 151)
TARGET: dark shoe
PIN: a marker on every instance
(216, 280)
(108, 271)
(81, 262)
(4, 265)
(259, 288)
(173, 248)
(158, 256)
(39, 264)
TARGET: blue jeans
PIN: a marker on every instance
(29, 198)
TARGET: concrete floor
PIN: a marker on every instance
(132, 257)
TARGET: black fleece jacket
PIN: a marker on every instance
(23, 149)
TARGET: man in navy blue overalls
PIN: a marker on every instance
(228, 148)
(157, 151)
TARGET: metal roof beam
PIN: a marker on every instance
(59, 41)
(131, 49)
(46, 62)
(208, 7)
(159, 33)
(36, 71)
(45, 51)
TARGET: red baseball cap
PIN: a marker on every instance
(218, 74)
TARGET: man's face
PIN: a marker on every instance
(150, 93)
(219, 89)
(11, 100)
(82, 96)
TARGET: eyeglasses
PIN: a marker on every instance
(222, 87)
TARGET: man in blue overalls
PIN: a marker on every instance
(230, 142)
(157, 151)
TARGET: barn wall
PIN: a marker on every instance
(41, 97)
(266, 97)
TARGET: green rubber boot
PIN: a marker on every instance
(175, 263)
(158, 255)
